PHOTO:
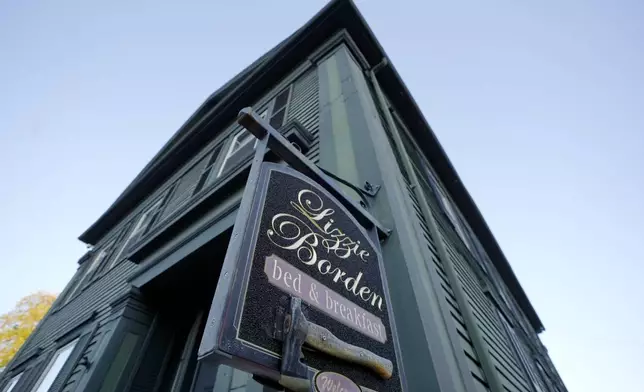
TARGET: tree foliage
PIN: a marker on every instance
(17, 324)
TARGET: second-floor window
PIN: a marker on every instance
(448, 208)
(243, 142)
(86, 272)
(98, 260)
(206, 173)
(12, 383)
(278, 109)
(240, 148)
(141, 226)
(54, 367)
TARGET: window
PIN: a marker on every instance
(449, 210)
(503, 296)
(88, 271)
(544, 375)
(278, 113)
(482, 258)
(451, 214)
(240, 148)
(54, 367)
(206, 178)
(425, 173)
(524, 356)
(12, 383)
(98, 260)
(143, 223)
(244, 143)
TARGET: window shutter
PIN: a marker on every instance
(206, 173)
(278, 114)
(184, 188)
(31, 374)
(139, 228)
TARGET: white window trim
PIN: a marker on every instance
(136, 230)
(205, 176)
(233, 149)
(236, 145)
(69, 346)
(286, 107)
(77, 283)
(93, 264)
(12, 383)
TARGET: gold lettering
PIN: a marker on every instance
(315, 230)
(364, 290)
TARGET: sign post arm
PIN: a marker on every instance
(283, 148)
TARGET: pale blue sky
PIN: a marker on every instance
(540, 107)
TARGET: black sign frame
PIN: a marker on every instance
(220, 338)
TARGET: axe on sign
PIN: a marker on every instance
(292, 327)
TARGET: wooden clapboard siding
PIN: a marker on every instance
(435, 262)
(499, 347)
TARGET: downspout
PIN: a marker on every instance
(470, 321)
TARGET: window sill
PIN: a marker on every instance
(459, 245)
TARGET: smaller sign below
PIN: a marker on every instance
(334, 382)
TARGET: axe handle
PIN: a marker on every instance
(323, 340)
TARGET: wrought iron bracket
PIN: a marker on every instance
(280, 146)
(367, 189)
(371, 189)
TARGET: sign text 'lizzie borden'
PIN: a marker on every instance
(300, 241)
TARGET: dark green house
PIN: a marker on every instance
(133, 316)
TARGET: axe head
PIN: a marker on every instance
(291, 327)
